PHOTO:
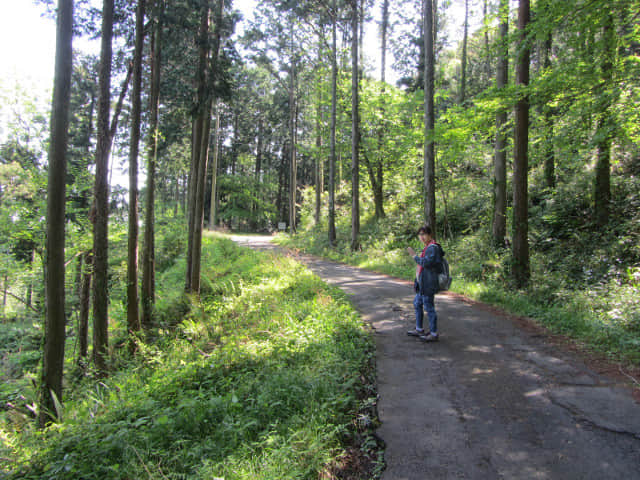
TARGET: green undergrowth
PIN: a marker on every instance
(269, 376)
(577, 290)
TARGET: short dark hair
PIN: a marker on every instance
(425, 229)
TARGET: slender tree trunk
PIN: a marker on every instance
(85, 298)
(148, 248)
(281, 183)
(375, 169)
(463, 80)
(54, 336)
(292, 165)
(429, 119)
(521, 161)
(332, 133)
(487, 48)
(133, 313)
(236, 141)
(214, 171)
(378, 175)
(318, 171)
(385, 26)
(100, 232)
(500, 156)
(549, 157)
(30, 280)
(196, 142)
(259, 148)
(5, 288)
(436, 17)
(199, 200)
(602, 185)
(355, 132)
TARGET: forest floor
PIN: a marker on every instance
(496, 397)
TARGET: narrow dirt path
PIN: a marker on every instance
(490, 400)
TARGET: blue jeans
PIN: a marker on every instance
(426, 301)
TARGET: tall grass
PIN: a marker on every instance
(263, 378)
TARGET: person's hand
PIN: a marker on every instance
(411, 251)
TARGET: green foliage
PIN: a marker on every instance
(261, 379)
(244, 202)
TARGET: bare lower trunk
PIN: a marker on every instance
(199, 200)
(85, 298)
(602, 186)
(214, 172)
(521, 161)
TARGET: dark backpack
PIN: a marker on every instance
(444, 277)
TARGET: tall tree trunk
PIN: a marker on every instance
(54, 333)
(463, 79)
(214, 171)
(500, 155)
(602, 185)
(100, 231)
(521, 160)
(429, 120)
(355, 132)
(148, 249)
(332, 133)
(196, 139)
(207, 98)
(133, 313)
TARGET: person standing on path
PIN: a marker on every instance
(428, 265)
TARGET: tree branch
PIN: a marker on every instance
(23, 301)
(116, 113)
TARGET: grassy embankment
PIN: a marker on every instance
(271, 376)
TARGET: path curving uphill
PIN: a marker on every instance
(491, 399)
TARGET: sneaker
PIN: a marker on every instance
(416, 333)
(429, 338)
